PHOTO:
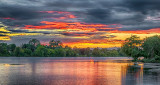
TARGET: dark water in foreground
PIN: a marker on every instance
(74, 71)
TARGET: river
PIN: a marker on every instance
(74, 71)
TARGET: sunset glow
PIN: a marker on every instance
(66, 27)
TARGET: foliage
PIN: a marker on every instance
(54, 49)
(55, 44)
(41, 51)
(11, 47)
(60, 52)
(18, 52)
(156, 59)
(29, 46)
(3, 49)
(113, 53)
(34, 42)
(96, 52)
(27, 52)
(131, 47)
(51, 53)
(69, 52)
(149, 48)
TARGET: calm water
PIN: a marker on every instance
(74, 71)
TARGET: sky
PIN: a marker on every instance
(80, 23)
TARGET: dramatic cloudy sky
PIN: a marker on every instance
(81, 23)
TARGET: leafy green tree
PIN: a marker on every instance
(112, 53)
(104, 52)
(87, 52)
(96, 52)
(131, 47)
(3, 49)
(82, 51)
(120, 53)
(11, 47)
(41, 51)
(76, 51)
(69, 52)
(55, 44)
(29, 46)
(19, 52)
(151, 46)
(60, 52)
(34, 42)
(51, 53)
(27, 52)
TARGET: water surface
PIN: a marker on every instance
(74, 71)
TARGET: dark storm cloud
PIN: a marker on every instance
(26, 31)
(144, 26)
(70, 4)
(4, 32)
(105, 29)
(33, 0)
(130, 13)
(98, 14)
(143, 5)
(19, 31)
(103, 37)
(120, 14)
(2, 35)
(79, 33)
(20, 13)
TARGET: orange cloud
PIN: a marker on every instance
(60, 12)
(64, 15)
(91, 35)
(154, 30)
(81, 34)
(66, 25)
(6, 34)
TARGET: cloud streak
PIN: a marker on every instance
(78, 23)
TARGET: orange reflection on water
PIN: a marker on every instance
(106, 71)
(140, 74)
(83, 73)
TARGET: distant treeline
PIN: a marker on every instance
(149, 48)
(55, 49)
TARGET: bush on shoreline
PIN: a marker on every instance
(156, 59)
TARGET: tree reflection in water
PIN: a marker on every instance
(53, 71)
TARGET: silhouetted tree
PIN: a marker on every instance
(19, 52)
(41, 51)
(96, 52)
(55, 44)
(34, 42)
(131, 47)
(151, 46)
(3, 49)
